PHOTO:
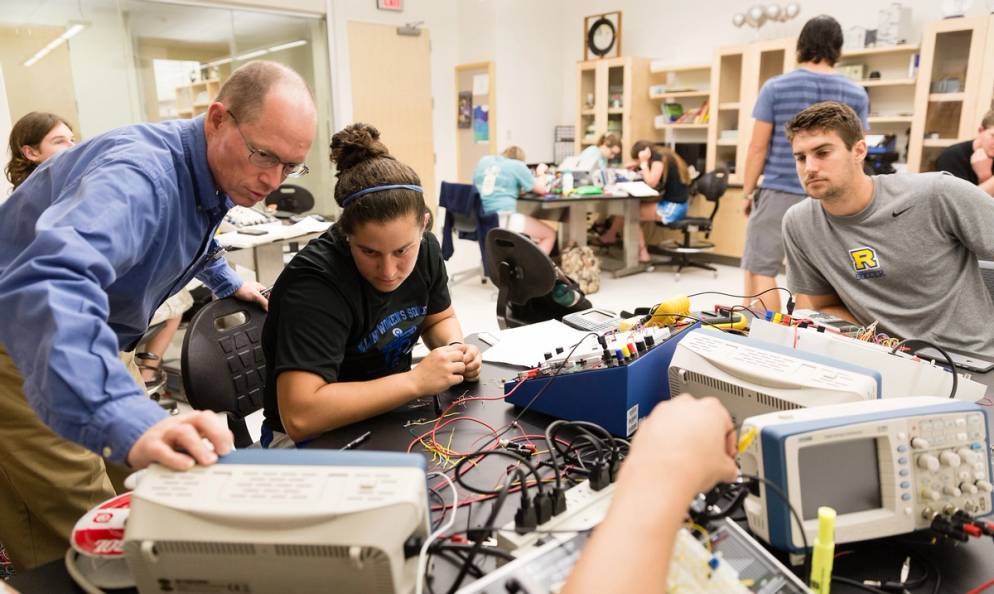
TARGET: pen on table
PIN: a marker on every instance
(358, 441)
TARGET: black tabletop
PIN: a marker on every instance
(962, 567)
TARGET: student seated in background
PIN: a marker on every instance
(667, 173)
(346, 312)
(607, 149)
(684, 447)
(33, 139)
(500, 179)
(973, 160)
(898, 249)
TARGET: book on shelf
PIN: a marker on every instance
(696, 116)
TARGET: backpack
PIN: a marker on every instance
(582, 265)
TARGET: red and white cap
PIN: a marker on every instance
(100, 532)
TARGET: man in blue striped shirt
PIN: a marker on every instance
(90, 245)
(818, 48)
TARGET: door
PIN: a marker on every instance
(391, 89)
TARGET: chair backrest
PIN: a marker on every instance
(465, 220)
(291, 198)
(223, 366)
(519, 268)
(712, 185)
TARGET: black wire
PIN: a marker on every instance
(783, 497)
(507, 454)
(857, 584)
(756, 296)
(921, 343)
(465, 547)
(498, 504)
(434, 492)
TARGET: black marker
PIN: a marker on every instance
(358, 441)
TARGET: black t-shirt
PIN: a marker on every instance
(670, 187)
(956, 160)
(325, 318)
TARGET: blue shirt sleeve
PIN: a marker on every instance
(763, 109)
(73, 376)
(218, 275)
(522, 176)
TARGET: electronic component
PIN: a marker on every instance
(585, 508)
(886, 466)
(900, 373)
(614, 387)
(962, 361)
(280, 521)
(753, 377)
(243, 216)
(593, 320)
(735, 564)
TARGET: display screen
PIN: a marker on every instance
(597, 316)
(843, 475)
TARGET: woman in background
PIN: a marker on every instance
(34, 139)
(500, 179)
(667, 173)
(607, 149)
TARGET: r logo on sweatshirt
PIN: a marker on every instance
(865, 263)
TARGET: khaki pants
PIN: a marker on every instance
(46, 482)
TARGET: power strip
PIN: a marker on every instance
(585, 508)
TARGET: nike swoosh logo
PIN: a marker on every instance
(898, 213)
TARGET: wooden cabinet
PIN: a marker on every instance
(736, 78)
(612, 97)
(891, 91)
(681, 96)
(194, 99)
(948, 93)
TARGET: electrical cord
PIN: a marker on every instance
(489, 526)
(790, 296)
(77, 576)
(422, 555)
(514, 456)
(797, 517)
(857, 584)
(921, 343)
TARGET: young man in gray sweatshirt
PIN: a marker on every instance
(901, 250)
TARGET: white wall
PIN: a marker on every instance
(441, 20)
(535, 46)
(105, 74)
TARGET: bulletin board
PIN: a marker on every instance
(476, 123)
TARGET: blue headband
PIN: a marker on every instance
(361, 193)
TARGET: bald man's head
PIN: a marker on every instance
(246, 89)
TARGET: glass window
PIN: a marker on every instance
(111, 63)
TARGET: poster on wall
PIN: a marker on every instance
(481, 124)
(464, 117)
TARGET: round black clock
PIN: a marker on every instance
(601, 37)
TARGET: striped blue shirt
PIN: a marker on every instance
(781, 98)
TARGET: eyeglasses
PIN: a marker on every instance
(264, 160)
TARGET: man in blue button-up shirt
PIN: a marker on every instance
(90, 245)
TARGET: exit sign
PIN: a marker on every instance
(397, 5)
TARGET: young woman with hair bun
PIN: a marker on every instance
(346, 312)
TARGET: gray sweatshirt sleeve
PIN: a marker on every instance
(966, 213)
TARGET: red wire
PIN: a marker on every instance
(982, 587)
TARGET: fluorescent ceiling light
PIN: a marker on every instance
(220, 62)
(66, 35)
(254, 54)
(284, 46)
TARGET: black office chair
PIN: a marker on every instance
(223, 366)
(712, 185)
(290, 200)
(521, 272)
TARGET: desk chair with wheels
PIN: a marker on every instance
(223, 366)
(290, 200)
(464, 216)
(712, 186)
(521, 272)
